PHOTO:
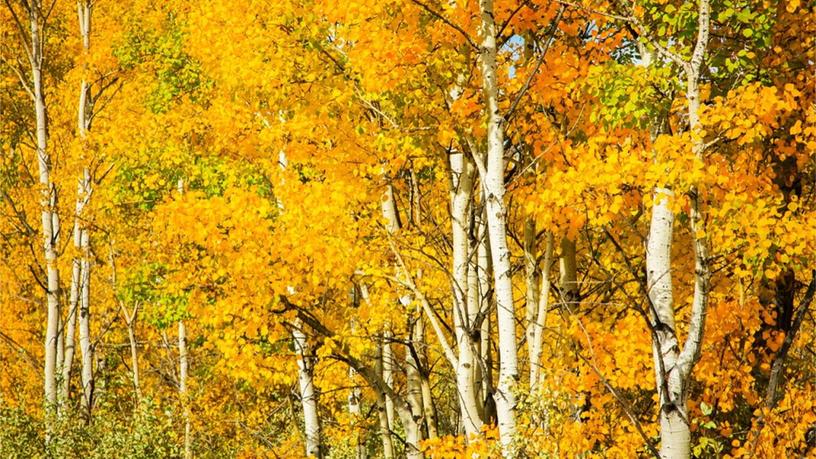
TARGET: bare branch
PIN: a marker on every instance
(548, 43)
(448, 22)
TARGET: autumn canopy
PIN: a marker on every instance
(408, 228)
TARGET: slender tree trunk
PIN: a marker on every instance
(461, 195)
(416, 202)
(50, 217)
(183, 371)
(675, 436)
(389, 210)
(483, 270)
(569, 272)
(413, 379)
(540, 321)
(388, 375)
(494, 189)
(410, 408)
(130, 319)
(308, 394)
(81, 234)
(673, 364)
(428, 408)
(70, 327)
(134, 357)
(531, 288)
(382, 415)
(354, 401)
(185, 402)
(85, 326)
(355, 397)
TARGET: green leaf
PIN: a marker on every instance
(725, 14)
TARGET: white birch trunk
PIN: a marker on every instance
(185, 402)
(475, 321)
(50, 218)
(485, 302)
(130, 319)
(84, 322)
(428, 408)
(308, 395)
(83, 195)
(540, 321)
(134, 357)
(413, 383)
(494, 188)
(389, 211)
(354, 401)
(382, 415)
(387, 421)
(70, 329)
(355, 397)
(674, 433)
(410, 411)
(388, 376)
(462, 175)
(674, 366)
(569, 272)
(702, 272)
(183, 372)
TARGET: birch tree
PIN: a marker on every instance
(184, 367)
(81, 232)
(462, 177)
(308, 394)
(33, 43)
(494, 189)
(673, 363)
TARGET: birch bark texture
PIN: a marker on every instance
(494, 189)
(184, 366)
(48, 207)
(308, 394)
(674, 364)
(462, 173)
(81, 233)
(185, 402)
(540, 320)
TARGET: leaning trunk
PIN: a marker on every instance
(134, 358)
(540, 321)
